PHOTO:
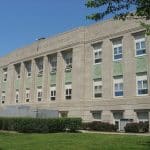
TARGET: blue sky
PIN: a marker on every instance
(23, 21)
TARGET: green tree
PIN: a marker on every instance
(121, 9)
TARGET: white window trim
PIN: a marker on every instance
(96, 49)
(17, 93)
(97, 83)
(53, 88)
(67, 87)
(137, 41)
(139, 78)
(27, 92)
(41, 91)
(3, 95)
(117, 81)
(5, 75)
(116, 46)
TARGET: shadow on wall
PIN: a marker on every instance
(27, 111)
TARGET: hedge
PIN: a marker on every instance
(137, 127)
(99, 126)
(36, 125)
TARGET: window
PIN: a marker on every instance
(5, 74)
(53, 93)
(39, 94)
(18, 68)
(63, 114)
(3, 97)
(97, 85)
(140, 46)
(118, 86)
(53, 64)
(68, 60)
(28, 68)
(117, 50)
(17, 96)
(27, 95)
(68, 90)
(142, 116)
(39, 63)
(96, 115)
(142, 84)
(97, 53)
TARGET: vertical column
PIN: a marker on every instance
(88, 82)
(33, 89)
(107, 69)
(78, 73)
(45, 79)
(10, 95)
(21, 86)
(129, 72)
(60, 77)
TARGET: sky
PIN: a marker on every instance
(24, 21)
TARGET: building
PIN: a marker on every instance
(99, 72)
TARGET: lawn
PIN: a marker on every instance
(72, 141)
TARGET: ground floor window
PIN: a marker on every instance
(39, 94)
(53, 93)
(68, 91)
(96, 115)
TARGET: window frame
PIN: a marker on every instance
(141, 78)
(68, 91)
(5, 74)
(96, 49)
(137, 40)
(3, 97)
(117, 45)
(97, 83)
(27, 97)
(53, 90)
(39, 97)
(17, 96)
(118, 80)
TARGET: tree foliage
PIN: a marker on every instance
(121, 9)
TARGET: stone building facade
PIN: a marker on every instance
(99, 72)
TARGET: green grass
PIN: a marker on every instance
(72, 141)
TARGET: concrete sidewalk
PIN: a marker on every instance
(116, 133)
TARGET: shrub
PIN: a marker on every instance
(102, 126)
(36, 125)
(137, 127)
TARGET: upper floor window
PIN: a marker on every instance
(53, 63)
(117, 50)
(118, 86)
(53, 92)
(39, 63)
(18, 69)
(140, 45)
(3, 97)
(68, 60)
(28, 68)
(142, 84)
(97, 87)
(5, 74)
(68, 91)
(97, 53)
(39, 94)
(27, 95)
(17, 96)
